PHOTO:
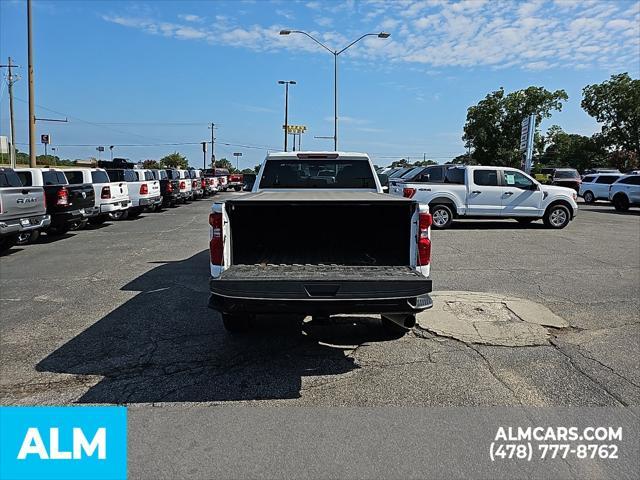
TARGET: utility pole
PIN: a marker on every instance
(12, 128)
(213, 147)
(32, 100)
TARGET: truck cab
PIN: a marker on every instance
(302, 242)
(65, 203)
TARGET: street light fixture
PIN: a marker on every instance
(286, 84)
(335, 54)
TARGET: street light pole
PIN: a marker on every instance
(335, 54)
(286, 108)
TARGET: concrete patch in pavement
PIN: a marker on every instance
(489, 319)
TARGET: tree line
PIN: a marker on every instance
(492, 128)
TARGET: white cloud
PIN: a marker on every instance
(188, 17)
(536, 35)
(323, 21)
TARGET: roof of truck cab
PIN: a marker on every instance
(318, 195)
(329, 154)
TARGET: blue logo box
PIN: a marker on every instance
(63, 443)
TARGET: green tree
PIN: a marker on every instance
(493, 125)
(152, 164)
(572, 150)
(616, 104)
(464, 159)
(174, 160)
(400, 163)
(424, 163)
(224, 163)
(256, 169)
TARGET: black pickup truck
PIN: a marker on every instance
(65, 203)
(169, 187)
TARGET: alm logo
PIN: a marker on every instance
(69, 443)
(33, 445)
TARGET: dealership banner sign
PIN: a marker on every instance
(63, 443)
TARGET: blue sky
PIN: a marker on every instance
(149, 73)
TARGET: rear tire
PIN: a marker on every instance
(588, 197)
(234, 323)
(557, 216)
(98, 219)
(442, 216)
(25, 238)
(237, 189)
(7, 242)
(134, 212)
(56, 231)
(119, 215)
(621, 202)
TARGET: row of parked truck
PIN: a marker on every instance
(53, 200)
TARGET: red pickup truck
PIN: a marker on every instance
(236, 181)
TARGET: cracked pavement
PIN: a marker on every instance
(118, 314)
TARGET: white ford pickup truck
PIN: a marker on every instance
(493, 192)
(318, 237)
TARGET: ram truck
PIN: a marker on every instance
(493, 192)
(110, 196)
(319, 245)
(67, 204)
(23, 210)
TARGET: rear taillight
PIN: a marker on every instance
(408, 192)
(194, 184)
(216, 245)
(183, 185)
(144, 189)
(169, 187)
(424, 242)
(106, 192)
(63, 197)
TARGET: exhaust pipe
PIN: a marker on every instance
(406, 320)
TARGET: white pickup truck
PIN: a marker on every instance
(143, 190)
(318, 237)
(111, 196)
(493, 192)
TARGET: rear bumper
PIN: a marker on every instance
(316, 290)
(145, 202)
(115, 206)
(24, 224)
(62, 218)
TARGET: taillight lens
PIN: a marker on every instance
(144, 189)
(424, 242)
(169, 187)
(106, 192)
(183, 185)
(194, 184)
(216, 245)
(408, 192)
(63, 197)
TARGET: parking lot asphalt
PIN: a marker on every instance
(118, 314)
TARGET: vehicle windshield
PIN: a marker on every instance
(566, 174)
(307, 174)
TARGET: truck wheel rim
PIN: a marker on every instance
(440, 217)
(588, 197)
(558, 217)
